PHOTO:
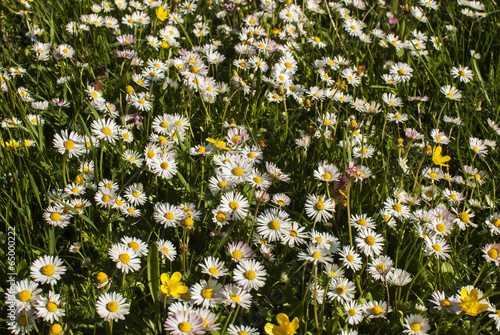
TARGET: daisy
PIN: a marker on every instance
(333, 271)
(237, 170)
(139, 247)
(236, 204)
(47, 270)
(105, 129)
(493, 223)
(242, 330)
(112, 306)
(56, 216)
(354, 312)
(440, 226)
(273, 224)
(477, 146)
(438, 247)
(167, 249)
(369, 242)
(129, 211)
(49, 308)
(105, 197)
(380, 267)
(213, 267)
(399, 277)
(73, 144)
(281, 199)
(438, 298)
(491, 252)
(133, 157)
(463, 219)
(239, 251)
(327, 172)
(316, 254)
(319, 208)
(350, 258)
(135, 194)
(451, 92)
(295, 236)
(124, 257)
(396, 209)
(416, 324)
(164, 165)
(206, 293)
(392, 100)
(341, 289)
(220, 217)
(24, 293)
(463, 73)
(259, 180)
(187, 322)
(376, 309)
(23, 322)
(250, 274)
(439, 137)
(401, 72)
(362, 221)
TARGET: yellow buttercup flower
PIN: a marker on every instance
(172, 285)
(162, 14)
(470, 303)
(438, 159)
(285, 326)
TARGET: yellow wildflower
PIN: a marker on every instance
(285, 328)
(172, 285)
(438, 159)
(470, 303)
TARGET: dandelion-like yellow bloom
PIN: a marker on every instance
(470, 303)
(172, 285)
(285, 326)
(438, 159)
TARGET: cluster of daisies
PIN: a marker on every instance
(264, 59)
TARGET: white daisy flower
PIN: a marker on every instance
(112, 306)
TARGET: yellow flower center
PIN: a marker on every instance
(164, 165)
(112, 306)
(370, 240)
(51, 306)
(320, 206)
(327, 176)
(106, 131)
(397, 207)
(349, 258)
(134, 245)
(69, 144)
(55, 329)
(24, 295)
(208, 293)
(362, 222)
(274, 225)
(496, 223)
(445, 303)
(220, 217)
(376, 310)
(250, 275)
(436, 247)
(234, 205)
(188, 222)
(235, 297)
(316, 255)
(22, 321)
(105, 198)
(237, 171)
(380, 268)
(415, 327)
(352, 312)
(124, 258)
(440, 227)
(293, 233)
(461, 73)
(237, 254)
(213, 271)
(449, 94)
(493, 253)
(102, 277)
(165, 250)
(464, 217)
(401, 71)
(317, 39)
(184, 327)
(55, 216)
(48, 270)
